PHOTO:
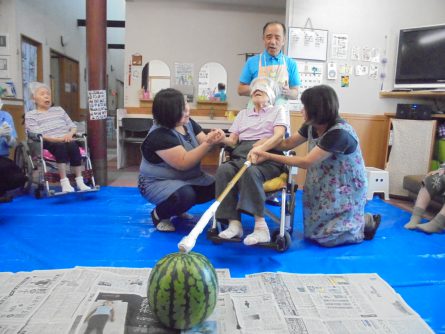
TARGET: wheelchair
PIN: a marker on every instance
(39, 165)
(285, 187)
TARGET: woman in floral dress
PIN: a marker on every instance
(334, 195)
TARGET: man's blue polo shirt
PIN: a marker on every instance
(250, 70)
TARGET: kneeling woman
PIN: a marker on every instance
(170, 173)
(334, 195)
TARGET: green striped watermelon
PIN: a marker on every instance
(182, 289)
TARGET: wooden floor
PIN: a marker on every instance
(128, 177)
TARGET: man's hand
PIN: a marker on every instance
(289, 93)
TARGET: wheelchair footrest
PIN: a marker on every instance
(278, 242)
(96, 188)
(217, 239)
(58, 193)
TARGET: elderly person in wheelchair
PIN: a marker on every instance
(263, 125)
(57, 131)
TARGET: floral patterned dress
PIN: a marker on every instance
(334, 195)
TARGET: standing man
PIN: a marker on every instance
(272, 63)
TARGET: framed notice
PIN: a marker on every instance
(4, 44)
(307, 43)
(5, 66)
(97, 103)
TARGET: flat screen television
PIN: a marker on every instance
(421, 58)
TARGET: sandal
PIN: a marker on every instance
(371, 230)
(186, 216)
(165, 226)
(162, 225)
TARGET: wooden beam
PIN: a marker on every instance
(110, 23)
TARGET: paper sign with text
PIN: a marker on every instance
(97, 104)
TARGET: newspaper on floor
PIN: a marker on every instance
(114, 300)
(341, 304)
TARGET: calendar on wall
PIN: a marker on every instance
(311, 74)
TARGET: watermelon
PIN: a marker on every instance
(182, 289)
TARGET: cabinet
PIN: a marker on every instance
(438, 96)
(417, 94)
(371, 130)
(411, 149)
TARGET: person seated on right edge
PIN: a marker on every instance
(11, 177)
(262, 124)
(57, 130)
(432, 185)
(334, 194)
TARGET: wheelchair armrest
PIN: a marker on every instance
(225, 154)
(292, 170)
(34, 136)
(80, 136)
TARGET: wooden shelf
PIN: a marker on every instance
(414, 94)
(146, 103)
(433, 116)
(215, 105)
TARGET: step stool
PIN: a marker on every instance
(378, 182)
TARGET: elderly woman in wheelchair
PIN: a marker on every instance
(262, 125)
(57, 131)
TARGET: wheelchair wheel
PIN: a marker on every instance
(22, 159)
(38, 193)
(282, 243)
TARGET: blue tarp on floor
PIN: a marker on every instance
(112, 227)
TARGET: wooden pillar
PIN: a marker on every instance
(96, 33)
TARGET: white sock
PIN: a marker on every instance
(416, 217)
(235, 229)
(260, 233)
(66, 186)
(80, 184)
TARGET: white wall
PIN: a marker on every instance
(115, 57)
(45, 22)
(366, 23)
(198, 33)
(8, 26)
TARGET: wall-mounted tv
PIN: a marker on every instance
(421, 58)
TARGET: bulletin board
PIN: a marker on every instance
(307, 43)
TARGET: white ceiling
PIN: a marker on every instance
(272, 4)
(276, 4)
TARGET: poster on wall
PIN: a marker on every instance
(307, 43)
(4, 44)
(311, 74)
(97, 104)
(5, 66)
(339, 46)
(204, 83)
(184, 74)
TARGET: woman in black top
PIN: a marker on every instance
(170, 172)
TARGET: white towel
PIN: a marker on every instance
(411, 151)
